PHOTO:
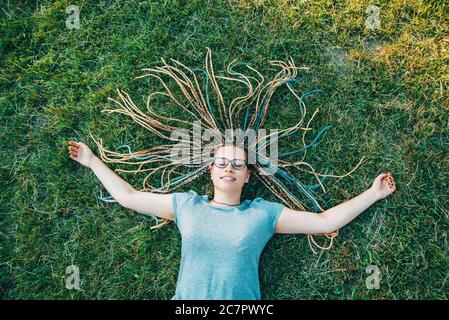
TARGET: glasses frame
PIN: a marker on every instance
(227, 161)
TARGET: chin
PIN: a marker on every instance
(228, 186)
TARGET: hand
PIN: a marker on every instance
(80, 153)
(383, 185)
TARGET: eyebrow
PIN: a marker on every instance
(230, 159)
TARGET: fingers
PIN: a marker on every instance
(74, 143)
(73, 153)
(73, 149)
(389, 179)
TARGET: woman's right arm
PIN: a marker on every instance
(159, 205)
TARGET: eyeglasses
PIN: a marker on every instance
(237, 164)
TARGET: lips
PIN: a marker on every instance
(228, 178)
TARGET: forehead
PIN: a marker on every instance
(230, 152)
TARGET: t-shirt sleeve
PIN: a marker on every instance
(272, 212)
(179, 199)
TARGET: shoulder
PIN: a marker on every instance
(266, 205)
(190, 193)
(183, 202)
(269, 211)
(190, 197)
(180, 197)
(262, 202)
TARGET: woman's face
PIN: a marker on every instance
(229, 179)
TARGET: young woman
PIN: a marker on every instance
(222, 236)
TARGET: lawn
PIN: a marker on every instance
(384, 91)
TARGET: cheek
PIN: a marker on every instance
(242, 176)
(214, 173)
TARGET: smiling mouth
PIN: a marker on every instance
(228, 179)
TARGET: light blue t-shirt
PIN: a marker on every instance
(221, 246)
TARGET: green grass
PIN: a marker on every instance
(386, 94)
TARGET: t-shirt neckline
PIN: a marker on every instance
(205, 198)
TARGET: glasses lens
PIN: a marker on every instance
(220, 162)
(239, 164)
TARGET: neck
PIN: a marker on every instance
(228, 198)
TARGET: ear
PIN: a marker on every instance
(248, 175)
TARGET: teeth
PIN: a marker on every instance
(228, 178)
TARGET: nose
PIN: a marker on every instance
(228, 168)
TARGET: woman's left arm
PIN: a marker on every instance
(292, 221)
